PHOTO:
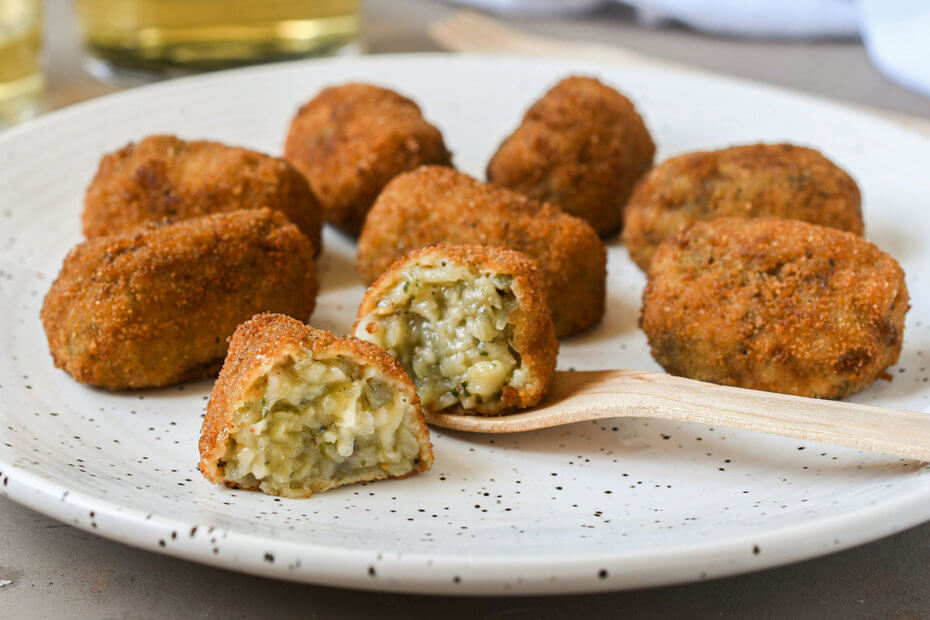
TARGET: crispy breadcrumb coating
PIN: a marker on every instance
(755, 180)
(776, 305)
(164, 177)
(581, 146)
(470, 324)
(350, 140)
(268, 345)
(155, 307)
(439, 205)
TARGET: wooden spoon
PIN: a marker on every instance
(577, 396)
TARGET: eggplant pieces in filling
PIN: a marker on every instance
(316, 418)
(469, 324)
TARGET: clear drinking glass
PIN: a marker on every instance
(144, 39)
(21, 79)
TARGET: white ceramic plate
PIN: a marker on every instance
(593, 506)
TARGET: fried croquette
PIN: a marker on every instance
(776, 305)
(440, 205)
(155, 307)
(469, 324)
(297, 411)
(756, 180)
(350, 140)
(581, 146)
(164, 177)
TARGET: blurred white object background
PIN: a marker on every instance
(896, 33)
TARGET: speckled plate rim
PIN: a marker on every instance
(463, 574)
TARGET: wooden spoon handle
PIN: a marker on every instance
(577, 396)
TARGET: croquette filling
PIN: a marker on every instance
(315, 424)
(451, 330)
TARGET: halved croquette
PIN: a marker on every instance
(297, 411)
(470, 325)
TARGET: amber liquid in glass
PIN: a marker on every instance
(172, 36)
(21, 80)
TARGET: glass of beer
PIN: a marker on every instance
(133, 40)
(21, 79)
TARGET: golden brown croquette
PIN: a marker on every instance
(581, 146)
(469, 324)
(755, 180)
(297, 411)
(350, 140)
(776, 305)
(439, 205)
(155, 307)
(164, 177)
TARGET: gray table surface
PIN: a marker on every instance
(59, 571)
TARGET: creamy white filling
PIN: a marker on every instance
(319, 422)
(450, 329)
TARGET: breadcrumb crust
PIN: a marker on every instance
(350, 140)
(154, 307)
(267, 339)
(581, 146)
(753, 180)
(776, 305)
(165, 177)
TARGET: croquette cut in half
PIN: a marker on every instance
(165, 177)
(350, 140)
(754, 180)
(439, 205)
(297, 411)
(469, 324)
(776, 305)
(155, 307)
(581, 146)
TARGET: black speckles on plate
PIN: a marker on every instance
(670, 485)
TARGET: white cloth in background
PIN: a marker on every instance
(896, 32)
(756, 18)
(897, 35)
(533, 7)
